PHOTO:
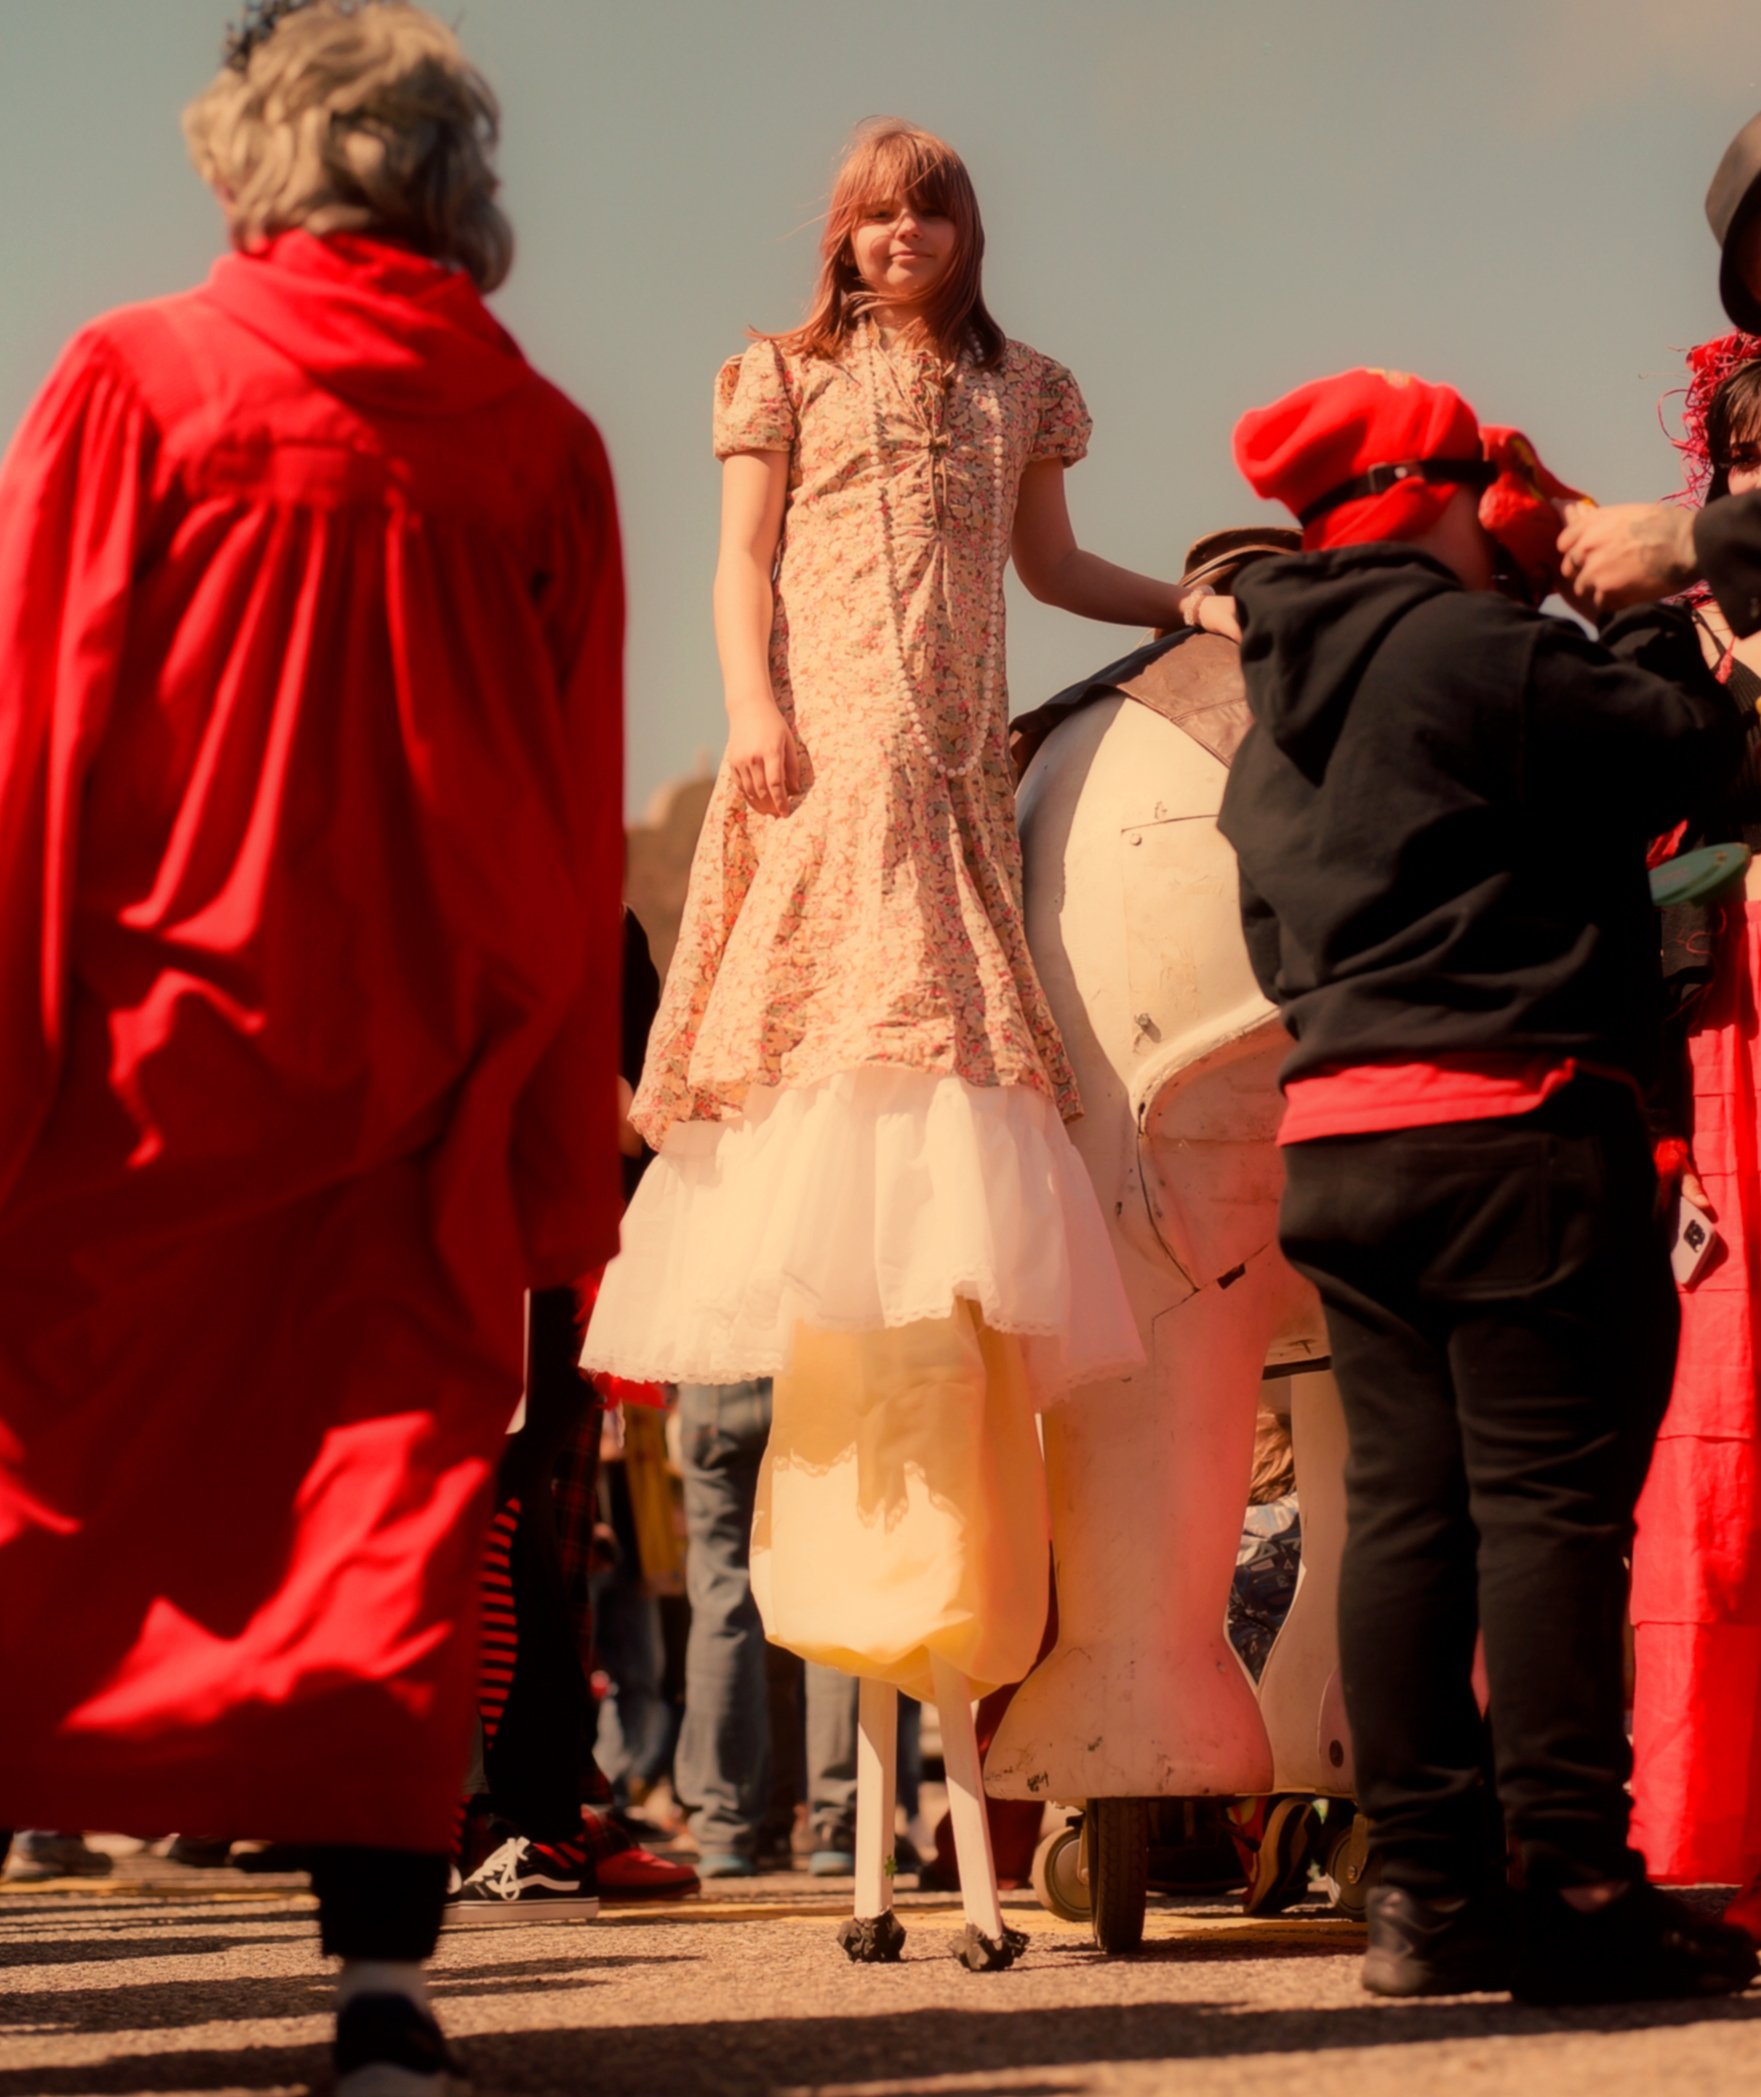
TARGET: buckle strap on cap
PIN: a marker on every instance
(1462, 473)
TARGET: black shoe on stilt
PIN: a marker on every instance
(981, 1954)
(873, 1940)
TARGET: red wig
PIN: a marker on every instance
(890, 162)
(1710, 364)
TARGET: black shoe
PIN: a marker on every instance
(1641, 1946)
(1451, 1946)
(200, 1852)
(386, 2044)
(519, 1885)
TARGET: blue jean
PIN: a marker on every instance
(635, 1724)
(722, 1769)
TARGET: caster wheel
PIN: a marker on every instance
(1060, 1875)
(1281, 1863)
(1118, 1870)
(1347, 1854)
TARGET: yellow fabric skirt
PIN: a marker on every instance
(902, 1505)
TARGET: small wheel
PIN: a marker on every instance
(1280, 1872)
(1118, 1870)
(1347, 1855)
(1059, 1877)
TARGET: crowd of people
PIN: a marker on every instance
(323, 1146)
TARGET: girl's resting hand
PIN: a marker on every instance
(629, 1143)
(764, 757)
(1216, 614)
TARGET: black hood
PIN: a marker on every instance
(1311, 624)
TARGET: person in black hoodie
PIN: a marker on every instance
(1441, 815)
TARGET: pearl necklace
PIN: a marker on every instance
(993, 650)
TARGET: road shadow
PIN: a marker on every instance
(766, 2056)
(20, 1955)
(280, 2068)
(1021, 2049)
(156, 2005)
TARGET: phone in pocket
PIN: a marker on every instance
(1696, 1240)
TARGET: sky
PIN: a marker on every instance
(1194, 204)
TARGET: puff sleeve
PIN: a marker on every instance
(1064, 421)
(753, 411)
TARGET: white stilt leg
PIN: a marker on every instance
(877, 1752)
(972, 1831)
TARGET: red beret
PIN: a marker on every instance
(1329, 432)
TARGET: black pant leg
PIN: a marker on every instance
(1407, 1611)
(1561, 1391)
(1525, 1251)
(534, 1762)
(379, 1903)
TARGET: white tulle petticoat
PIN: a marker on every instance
(876, 1198)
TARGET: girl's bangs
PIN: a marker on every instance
(901, 169)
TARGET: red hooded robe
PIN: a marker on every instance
(310, 859)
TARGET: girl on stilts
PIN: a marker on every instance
(855, 1085)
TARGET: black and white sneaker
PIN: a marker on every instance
(388, 2046)
(518, 1884)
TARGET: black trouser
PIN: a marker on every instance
(378, 1903)
(534, 1763)
(531, 1770)
(1503, 1324)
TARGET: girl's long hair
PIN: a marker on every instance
(891, 162)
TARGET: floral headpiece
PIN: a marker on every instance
(1709, 365)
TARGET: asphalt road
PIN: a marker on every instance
(169, 1984)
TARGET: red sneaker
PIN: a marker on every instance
(638, 1874)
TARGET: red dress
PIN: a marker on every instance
(1696, 1595)
(310, 858)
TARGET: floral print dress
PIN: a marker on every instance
(855, 1084)
(880, 921)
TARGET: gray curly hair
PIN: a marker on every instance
(352, 119)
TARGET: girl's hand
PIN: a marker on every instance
(629, 1143)
(763, 756)
(1210, 613)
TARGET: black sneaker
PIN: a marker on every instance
(1641, 1946)
(517, 1884)
(1433, 1947)
(386, 2046)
